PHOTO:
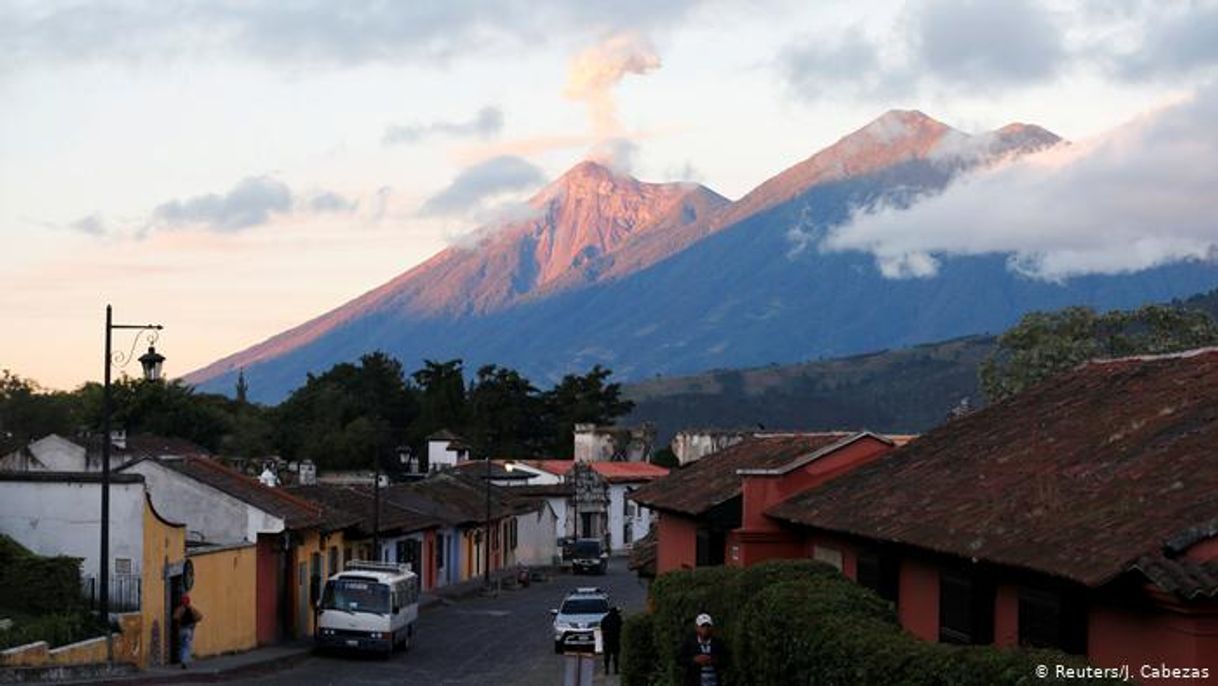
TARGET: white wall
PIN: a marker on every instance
(64, 518)
(690, 446)
(536, 542)
(619, 514)
(438, 455)
(211, 514)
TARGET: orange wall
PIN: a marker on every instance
(1122, 636)
(919, 599)
(1006, 615)
(677, 547)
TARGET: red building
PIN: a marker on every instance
(711, 511)
(1081, 514)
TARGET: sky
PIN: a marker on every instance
(230, 169)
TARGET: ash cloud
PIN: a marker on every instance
(593, 75)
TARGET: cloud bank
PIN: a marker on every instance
(487, 122)
(338, 33)
(252, 202)
(475, 187)
(1139, 197)
(960, 46)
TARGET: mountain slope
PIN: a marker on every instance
(670, 278)
(899, 391)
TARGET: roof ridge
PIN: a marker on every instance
(1179, 355)
(277, 493)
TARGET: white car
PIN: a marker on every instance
(579, 618)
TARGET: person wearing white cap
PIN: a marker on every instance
(704, 655)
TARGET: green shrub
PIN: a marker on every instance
(801, 622)
(56, 629)
(36, 584)
(640, 660)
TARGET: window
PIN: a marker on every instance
(881, 572)
(440, 546)
(122, 565)
(1052, 619)
(966, 608)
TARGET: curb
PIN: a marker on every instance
(202, 675)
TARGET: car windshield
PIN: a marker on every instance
(588, 548)
(355, 596)
(585, 606)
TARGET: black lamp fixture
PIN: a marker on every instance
(152, 362)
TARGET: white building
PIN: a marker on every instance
(58, 513)
(602, 510)
(614, 443)
(51, 453)
(446, 449)
(690, 445)
(201, 493)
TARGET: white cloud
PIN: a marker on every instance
(487, 122)
(310, 31)
(1138, 197)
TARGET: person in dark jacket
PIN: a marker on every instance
(611, 637)
(703, 656)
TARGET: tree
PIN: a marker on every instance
(348, 415)
(579, 400)
(505, 414)
(27, 411)
(1047, 343)
(442, 401)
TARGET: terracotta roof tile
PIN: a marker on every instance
(614, 472)
(1079, 477)
(701, 485)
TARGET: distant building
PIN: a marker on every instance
(445, 449)
(691, 444)
(614, 443)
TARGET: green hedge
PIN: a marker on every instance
(56, 629)
(801, 622)
(36, 584)
(640, 660)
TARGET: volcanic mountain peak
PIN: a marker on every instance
(1025, 137)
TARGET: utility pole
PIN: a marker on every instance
(376, 506)
(486, 573)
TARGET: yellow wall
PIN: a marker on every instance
(164, 544)
(225, 592)
(312, 542)
(127, 647)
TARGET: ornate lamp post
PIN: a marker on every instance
(151, 361)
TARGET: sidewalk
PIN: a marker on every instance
(213, 669)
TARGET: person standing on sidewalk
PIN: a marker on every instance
(186, 616)
(611, 637)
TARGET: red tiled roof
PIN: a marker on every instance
(699, 486)
(1078, 477)
(555, 467)
(615, 472)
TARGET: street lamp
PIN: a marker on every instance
(151, 362)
